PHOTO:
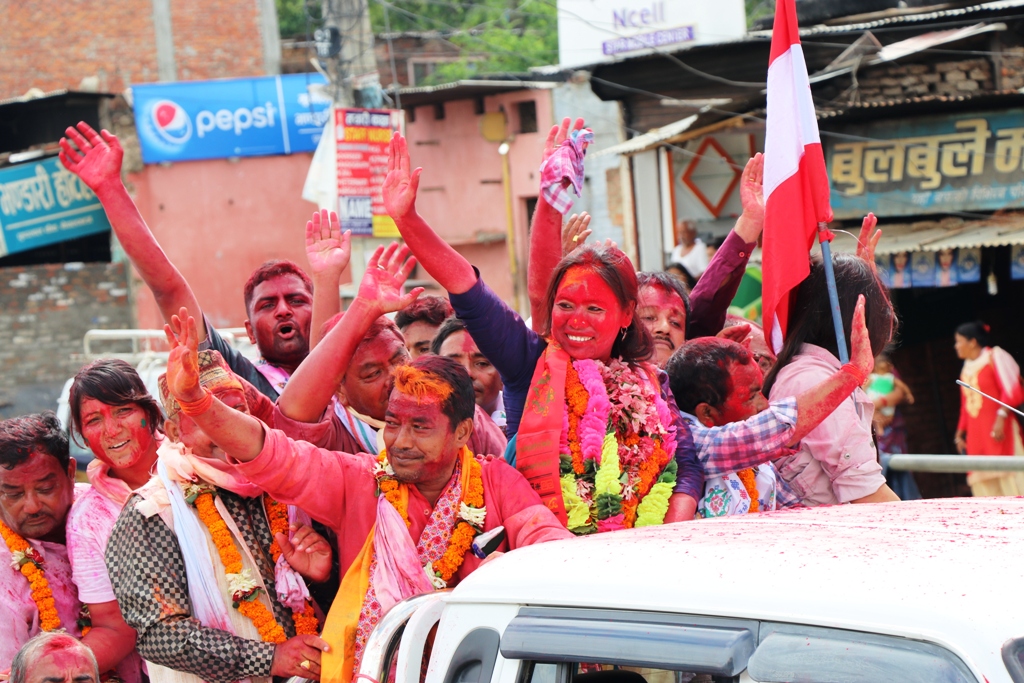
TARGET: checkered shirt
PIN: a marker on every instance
(564, 169)
(742, 445)
(148, 575)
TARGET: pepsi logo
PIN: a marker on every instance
(171, 122)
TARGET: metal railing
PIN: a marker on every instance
(956, 463)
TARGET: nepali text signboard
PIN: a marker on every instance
(362, 156)
(236, 117)
(592, 31)
(43, 203)
(940, 164)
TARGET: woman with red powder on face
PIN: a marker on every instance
(591, 359)
(119, 421)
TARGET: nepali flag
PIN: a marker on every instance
(796, 186)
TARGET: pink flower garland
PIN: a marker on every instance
(594, 423)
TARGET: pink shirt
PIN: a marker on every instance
(338, 489)
(836, 462)
(19, 616)
(89, 526)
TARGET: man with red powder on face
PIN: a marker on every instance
(37, 488)
(420, 321)
(278, 296)
(405, 518)
(717, 386)
(454, 341)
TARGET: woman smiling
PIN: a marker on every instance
(599, 436)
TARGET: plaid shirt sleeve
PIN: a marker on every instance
(742, 445)
(148, 574)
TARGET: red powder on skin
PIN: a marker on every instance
(585, 306)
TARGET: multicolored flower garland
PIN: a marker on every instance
(306, 623)
(619, 470)
(29, 562)
(244, 590)
(470, 520)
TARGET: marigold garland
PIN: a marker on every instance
(25, 559)
(576, 399)
(471, 517)
(246, 601)
(306, 623)
(749, 479)
(620, 441)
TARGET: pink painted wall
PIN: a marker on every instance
(461, 193)
(218, 220)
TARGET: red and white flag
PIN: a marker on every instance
(796, 186)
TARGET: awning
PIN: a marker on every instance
(997, 231)
(671, 134)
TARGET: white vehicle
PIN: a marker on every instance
(928, 591)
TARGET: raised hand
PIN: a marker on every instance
(401, 184)
(94, 157)
(183, 361)
(861, 354)
(867, 242)
(736, 333)
(558, 134)
(307, 552)
(386, 272)
(752, 188)
(575, 232)
(327, 248)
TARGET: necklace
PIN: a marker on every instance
(244, 590)
(277, 514)
(470, 520)
(29, 562)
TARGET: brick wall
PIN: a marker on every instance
(942, 78)
(44, 312)
(51, 44)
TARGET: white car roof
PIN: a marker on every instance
(948, 570)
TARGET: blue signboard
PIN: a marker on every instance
(932, 164)
(237, 117)
(43, 203)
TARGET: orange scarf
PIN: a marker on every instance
(540, 429)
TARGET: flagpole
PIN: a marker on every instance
(824, 239)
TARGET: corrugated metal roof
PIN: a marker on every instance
(902, 19)
(999, 96)
(650, 139)
(950, 233)
(460, 90)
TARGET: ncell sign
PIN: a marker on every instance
(591, 31)
(230, 118)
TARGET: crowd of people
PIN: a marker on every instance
(256, 520)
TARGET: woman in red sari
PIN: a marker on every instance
(985, 427)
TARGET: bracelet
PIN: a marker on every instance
(193, 408)
(855, 372)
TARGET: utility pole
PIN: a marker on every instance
(345, 46)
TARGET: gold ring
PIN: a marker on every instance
(304, 664)
(576, 238)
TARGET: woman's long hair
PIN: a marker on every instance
(810, 316)
(615, 269)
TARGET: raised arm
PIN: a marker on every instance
(315, 381)
(239, 435)
(717, 287)
(327, 250)
(545, 235)
(451, 270)
(96, 159)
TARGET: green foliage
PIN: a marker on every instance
(292, 17)
(758, 9)
(496, 36)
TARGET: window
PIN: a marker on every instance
(473, 661)
(527, 116)
(439, 111)
(478, 106)
(410, 114)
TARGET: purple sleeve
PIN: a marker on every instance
(690, 478)
(717, 287)
(505, 339)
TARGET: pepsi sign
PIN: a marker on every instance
(230, 117)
